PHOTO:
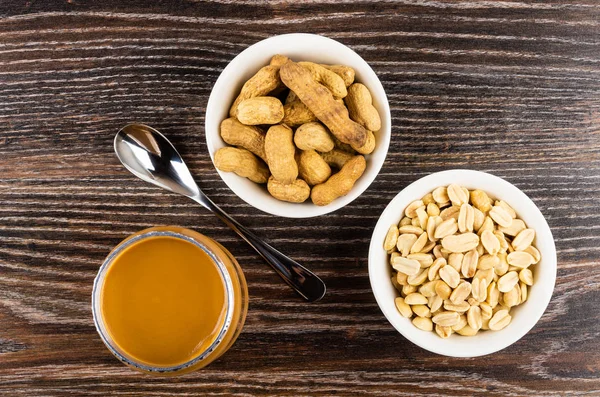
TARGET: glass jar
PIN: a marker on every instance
(233, 294)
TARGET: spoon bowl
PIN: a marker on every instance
(147, 154)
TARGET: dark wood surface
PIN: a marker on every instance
(511, 87)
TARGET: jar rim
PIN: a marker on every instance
(97, 289)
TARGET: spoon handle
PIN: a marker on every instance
(305, 282)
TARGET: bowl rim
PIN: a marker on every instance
(307, 209)
(390, 213)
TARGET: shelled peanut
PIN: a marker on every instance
(462, 261)
(301, 127)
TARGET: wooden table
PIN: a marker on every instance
(512, 88)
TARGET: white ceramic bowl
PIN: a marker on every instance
(299, 47)
(524, 316)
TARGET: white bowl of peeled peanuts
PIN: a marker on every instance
(462, 263)
(298, 125)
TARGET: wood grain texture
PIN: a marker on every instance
(508, 87)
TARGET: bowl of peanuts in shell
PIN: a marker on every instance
(298, 125)
(462, 263)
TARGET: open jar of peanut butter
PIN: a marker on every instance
(169, 300)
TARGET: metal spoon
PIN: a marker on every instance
(151, 157)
